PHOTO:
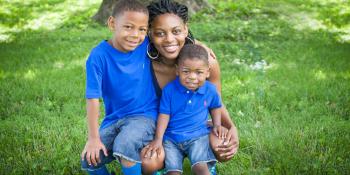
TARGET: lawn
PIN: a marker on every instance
(285, 70)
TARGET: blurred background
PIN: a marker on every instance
(285, 68)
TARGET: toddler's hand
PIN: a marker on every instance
(219, 131)
(154, 146)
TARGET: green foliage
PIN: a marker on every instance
(286, 88)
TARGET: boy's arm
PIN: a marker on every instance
(94, 144)
(156, 144)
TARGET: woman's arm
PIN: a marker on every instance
(230, 147)
(209, 50)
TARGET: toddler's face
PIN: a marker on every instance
(192, 73)
(129, 28)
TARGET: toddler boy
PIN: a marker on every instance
(184, 108)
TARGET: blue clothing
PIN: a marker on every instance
(198, 150)
(124, 138)
(123, 80)
(188, 110)
(133, 170)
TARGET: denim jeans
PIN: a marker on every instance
(124, 139)
(197, 150)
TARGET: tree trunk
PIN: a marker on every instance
(106, 8)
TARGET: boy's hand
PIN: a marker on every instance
(154, 146)
(92, 151)
(219, 131)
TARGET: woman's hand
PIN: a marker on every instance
(92, 151)
(230, 146)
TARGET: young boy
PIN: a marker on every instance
(184, 109)
(118, 70)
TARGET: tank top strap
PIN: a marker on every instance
(155, 82)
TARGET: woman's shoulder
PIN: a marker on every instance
(212, 60)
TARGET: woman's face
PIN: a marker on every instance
(168, 34)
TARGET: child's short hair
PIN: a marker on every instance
(193, 51)
(128, 5)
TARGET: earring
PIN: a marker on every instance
(190, 39)
(149, 54)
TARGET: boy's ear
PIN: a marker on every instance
(111, 23)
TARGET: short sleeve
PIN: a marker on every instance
(93, 77)
(216, 100)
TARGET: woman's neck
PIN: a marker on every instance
(167, 62)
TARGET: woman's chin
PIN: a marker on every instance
(170, 56)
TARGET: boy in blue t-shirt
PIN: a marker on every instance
(118, 70)
(184, 107)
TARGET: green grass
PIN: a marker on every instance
(293, 117)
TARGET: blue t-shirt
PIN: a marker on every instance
(123, 80)
(188, 110)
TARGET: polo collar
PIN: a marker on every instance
(183, 89)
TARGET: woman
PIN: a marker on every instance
(168, 34)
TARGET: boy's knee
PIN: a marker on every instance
(152, 164)
(126, 163)
(201, 169)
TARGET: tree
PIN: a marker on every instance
(106, 8)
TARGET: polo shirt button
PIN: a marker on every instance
(188, 91)
(190, 101)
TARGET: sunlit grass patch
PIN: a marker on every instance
(18, 16)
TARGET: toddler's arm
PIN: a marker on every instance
(156, 144)
(216, 118)
(94, 144)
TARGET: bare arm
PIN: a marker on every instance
(156, 144)
(231, 141)
(162, 124)
(92, 108)
(94, 144)
(209, 50)
(216, 117)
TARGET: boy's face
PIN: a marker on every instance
(129, 29)
(192, 73)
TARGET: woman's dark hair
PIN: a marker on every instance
(161, 7)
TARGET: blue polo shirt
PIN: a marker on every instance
(123, 80)
(188, 110)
